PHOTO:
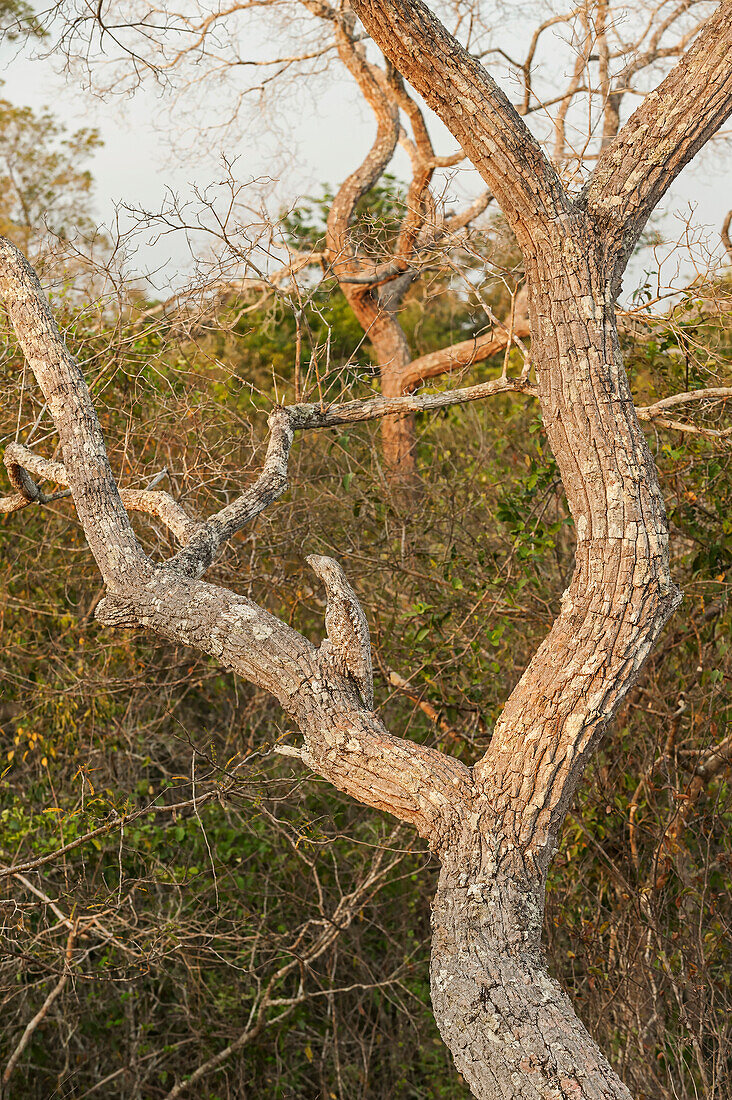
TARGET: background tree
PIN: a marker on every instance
(609, 53)
(46, 189)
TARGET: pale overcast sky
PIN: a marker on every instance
(325, 139)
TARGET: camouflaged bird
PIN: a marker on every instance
(348, 646)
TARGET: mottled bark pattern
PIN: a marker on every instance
(512, 1030)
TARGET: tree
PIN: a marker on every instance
(45, 189)
(625, 49)
(494, 827)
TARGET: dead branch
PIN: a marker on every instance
(43, 1010)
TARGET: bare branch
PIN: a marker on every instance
(460, 356)
(373, 85)
(208, 538)
(655, 412)
(426, 707)
(714, 393)
(356, 412)
(43, 1010)
(671, 125)
(691, 429)
(82, 927)
(21, 461)
(473, 107)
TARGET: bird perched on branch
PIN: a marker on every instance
(348, 646)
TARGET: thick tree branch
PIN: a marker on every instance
(374, 408)
(461, 355)
(208, 538)
(346, 743)
(372, 84)
(660, 138)
(21, 462)
(106, 523)
(272, 482)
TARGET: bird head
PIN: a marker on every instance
(327, 569)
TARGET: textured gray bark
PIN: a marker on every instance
(512, 1030)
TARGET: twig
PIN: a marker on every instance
(52, 996)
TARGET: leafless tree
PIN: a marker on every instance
(609, 50)
(494, 827)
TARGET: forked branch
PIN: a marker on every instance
(477, 112)
(345, 742)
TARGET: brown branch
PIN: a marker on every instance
(716, 393)
(373, 86)
(83, 927)
(424, 705)
(526, 67)
(654, 413)
(460, 356)
(464, 217)
(690, 429)
(712, 763)
(473, 107)
(119, 822)
(334, 923)
(419, 202)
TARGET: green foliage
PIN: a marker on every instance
(43, 185)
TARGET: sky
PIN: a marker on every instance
(319, 138)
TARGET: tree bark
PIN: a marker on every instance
(393, 357)
(512, 1031)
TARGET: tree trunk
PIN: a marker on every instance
(393, 357)
(511, 1029)
(512, 1032)
(398, 442)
